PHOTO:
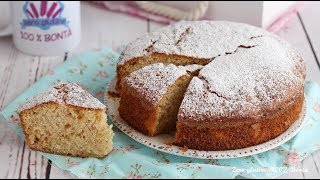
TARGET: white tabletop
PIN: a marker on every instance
(100, 27)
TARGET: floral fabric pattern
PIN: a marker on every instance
(94, 69)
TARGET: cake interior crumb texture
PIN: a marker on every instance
(158, 113)
(168, 107)
(67, 130)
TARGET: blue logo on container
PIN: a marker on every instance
(43, 14)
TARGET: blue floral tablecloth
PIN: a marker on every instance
(94, 69)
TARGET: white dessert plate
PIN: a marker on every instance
(162, 142)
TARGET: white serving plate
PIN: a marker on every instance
(160, 142)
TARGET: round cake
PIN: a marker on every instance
(246, 85)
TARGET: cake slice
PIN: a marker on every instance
(152, 95)
(66, 120)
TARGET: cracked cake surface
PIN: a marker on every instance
(198, 39)
(248, 83)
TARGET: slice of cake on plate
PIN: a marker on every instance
(152, 95)
(66, 120)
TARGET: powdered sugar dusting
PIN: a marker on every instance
(251, 71)
(193, 67)
(153, 81)
(198, 39)
(248, 82)
(64, 94)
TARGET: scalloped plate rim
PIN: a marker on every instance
(154, 142)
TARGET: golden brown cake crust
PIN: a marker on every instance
(214, 137)
(251, 78)
(138, 113)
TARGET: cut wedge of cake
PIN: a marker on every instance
(152, 95)
(66, 120)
